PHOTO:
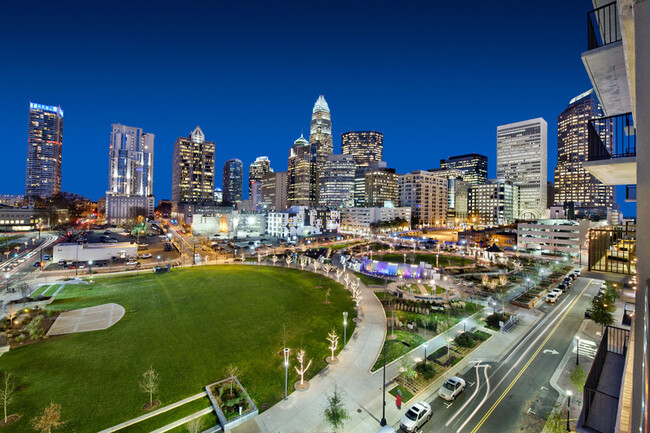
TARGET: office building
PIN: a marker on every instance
(125, 209)
(301, 221)
(381, 186)
(193, 170)
(257, 170)
(218, 196)
(364, 146)
(44, 147)
(458, 193)
(233, 176)
(573, 183)
(473, 165)
(302, 174)
(274, 190)
(131, 161)
(320, 131)
(21, 219)
(522, 158)
(368, 220)
(336, 181)
(494, 203)
(426, 195)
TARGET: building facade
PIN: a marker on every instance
(553, 236)
(125, 209)
(522, 158)
(368, 220)
(494, 203)
(426, 195)
(257, 170)
(274, 190)
(364, 146)
(458, 204)
(44, 150)
(336, 181)
(573, 183)
(381, 187)
(193, 170)
(131, 161)
(473, 165)
(302, 174)
(320, 130)
(233, 176)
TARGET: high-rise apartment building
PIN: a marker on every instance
(473, 165)
(233, 175)
(336, 181)
(522, 159)
(302, 174)
(274, 190)
(257, 170)
(426, 195)
(131, 161)
(193, 169)
(364, 146)
(44, 147)
(494, 203)
(573, 183)
(381, 187)
(458, 193)
(320, 130)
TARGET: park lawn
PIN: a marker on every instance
(406, 394)
(51, 290)
(189, 324)
(370, 280)
(209, 420)
(443, 259)
(396, 348)
(41, 290)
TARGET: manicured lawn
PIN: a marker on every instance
(41, 290)
(367, 279)
(396, 348)
(443, 259)
(188, 324)
(406, 394)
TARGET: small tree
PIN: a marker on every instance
(12, 312)
(25, 291)
(7, 391)
(578, 378)
(327, 295)
(232, 372)
(602, 311)
(315, 265)
(149, 383)
(554, 422)
(50, 419)
(274, 259)
(333, 338)
(288, 260)
(484, 279)
(503, 279)
(335, 412)
(301, 359)
(406, 370)
(194, 426)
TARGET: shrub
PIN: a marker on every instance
(465, 340)
(493, 320)
(33, 327)
(426, 370)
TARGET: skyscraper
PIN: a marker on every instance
(320, 130)
(381, 186)
(573, 183)
(364, 146)
(475, 167)
(193, 169)
(274, 190)
(336, 181)
(458, 192)
(302, 174)
(256, 171)
(131, 161)
(233, 174)
(426, 195)
(44, 146)
(522, 158)
(494, 203)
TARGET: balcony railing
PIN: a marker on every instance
(612, 137)
(602, 387)
(602, 26)
(613, 249)
(630, 192)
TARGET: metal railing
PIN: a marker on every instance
(613, 249)
(612, 137)
(630, 192)
(600, 408)
(602, 26)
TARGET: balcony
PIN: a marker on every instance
(630, 193)
(605, 60)
(612, 149)
(612, 253)
(603, 386)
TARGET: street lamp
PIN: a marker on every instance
(577, 350)
(568, 409)
(464, 325)
(7, 280)
(425, 353)
(345, 328)
(383, 395)
(90, 266)
(286, 370)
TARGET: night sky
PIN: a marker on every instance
(435, 77)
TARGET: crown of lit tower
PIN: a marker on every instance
(320, 131)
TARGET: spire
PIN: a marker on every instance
(321, 105)
(197, 135)
(301, 141)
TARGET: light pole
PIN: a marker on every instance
(286, 370)
(568, 409)
(7, 280)
(577, 350)
(449, 340)
(494, 307)
(425, 353)
(90, 267)
(345, 328)
(383, 395)
(464, 325)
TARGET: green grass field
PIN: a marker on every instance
(396, 348)
(370, 280)
(443, 259)
(188, 324)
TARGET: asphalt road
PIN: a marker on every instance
(26, 270)
(514, 394)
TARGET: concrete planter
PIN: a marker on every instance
(228, 424)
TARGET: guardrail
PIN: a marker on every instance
(611, 137)
(602, 26)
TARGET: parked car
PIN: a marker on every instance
(132, 263)
(452, 388)
(46, 257)
(557, 290)
(552, 297)
(145, 256)
(415, 417)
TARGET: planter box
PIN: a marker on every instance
(228, 424)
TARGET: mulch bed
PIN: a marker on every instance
(148, 407)
(10, 420)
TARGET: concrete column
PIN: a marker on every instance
(642, 122)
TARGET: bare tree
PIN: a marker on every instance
(232, 372)
(12, 312)
(25, 291)
(149, 383)
(327, 296)
(50, 419)
(333, 338)
(7, 391)
(303, 369)
(195, 425)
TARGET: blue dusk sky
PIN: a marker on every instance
(436, 78)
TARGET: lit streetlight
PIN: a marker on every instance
(345, 328)
(286, 370)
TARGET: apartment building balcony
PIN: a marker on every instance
(602, 390)
(612, 149)
(605, 59)
(612, 253)
(630, 193)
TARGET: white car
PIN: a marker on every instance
(415, 417)
(452, 388)
(552, 297)
(145, 256)
(132, 263)
(557, 290)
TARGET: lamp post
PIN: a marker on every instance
(568, 409)
(494, 306)
(90, 267)
(449, 340)
(7, 281)
(577, 350)
(464, 325)
(425, 353)
(345, 328)
(286, 370)
(383, 395)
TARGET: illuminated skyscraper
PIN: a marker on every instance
(336, 182)
(320, 131)
(474, 166)
(364, 146)
(233, 174)
(256, 171)
(381, 186)
(573, 183)
(131, 161)
(193, 170)
(44, 145)
(302, 174)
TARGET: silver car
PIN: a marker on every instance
(415, 417)
(451, 388)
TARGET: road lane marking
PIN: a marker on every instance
(478, 385)
(532, 358)
(487, 394)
